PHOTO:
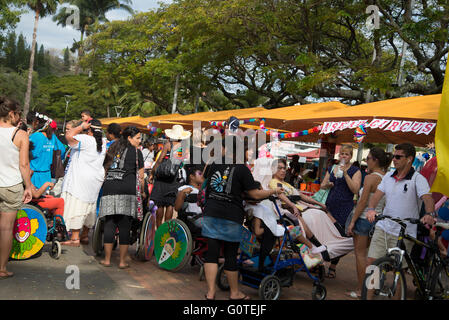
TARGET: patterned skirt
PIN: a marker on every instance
(125, 204)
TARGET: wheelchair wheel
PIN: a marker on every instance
(270, 288)
(146, 239)
(222, 280)
(56, 250)
(173, 245)
(319, 292)
(30, 233)
(97, 238)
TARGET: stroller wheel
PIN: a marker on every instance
(270, 288)
(222, 280)
(56, 250)
(319, 292)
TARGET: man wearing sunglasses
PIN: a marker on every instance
(404, 189)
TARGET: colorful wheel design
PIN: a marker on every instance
(30, 232)
(173, 245)
(146, 241)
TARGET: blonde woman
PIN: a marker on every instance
(344, 181)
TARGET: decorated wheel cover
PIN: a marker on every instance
(146, 248)
(30, 232)
(173, 245)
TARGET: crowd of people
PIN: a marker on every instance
(104, 175)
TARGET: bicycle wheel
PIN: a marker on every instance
(440, 282)
(381, 282)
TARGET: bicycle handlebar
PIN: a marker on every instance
(397, 220)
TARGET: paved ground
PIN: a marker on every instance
(45, 278)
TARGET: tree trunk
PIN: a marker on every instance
(26, 105)
(80, 51)
(175, 96)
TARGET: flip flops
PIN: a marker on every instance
(331, 273)
(126, 266)
(5, 275)
(105, 265)
(246, 297)
(72, 243)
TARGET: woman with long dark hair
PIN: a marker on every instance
(119, 203)
(83, 178)
(45, 142)
(359, 227)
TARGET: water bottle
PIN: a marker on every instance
(339, 171)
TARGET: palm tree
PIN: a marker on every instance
(91, 11)
(41, 8)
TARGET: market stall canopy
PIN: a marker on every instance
(218, 115)
(411, 119)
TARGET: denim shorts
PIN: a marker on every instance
(362, 227)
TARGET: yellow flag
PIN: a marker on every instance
(441, 183)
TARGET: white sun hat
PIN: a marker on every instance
(177, 132)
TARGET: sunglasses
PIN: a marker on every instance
(398, 156)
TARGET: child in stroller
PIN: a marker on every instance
(264, 224)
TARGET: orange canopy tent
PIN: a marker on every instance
(400, 116)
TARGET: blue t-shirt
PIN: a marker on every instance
(42, 154)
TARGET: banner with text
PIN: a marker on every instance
(383, 124)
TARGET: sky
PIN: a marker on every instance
(53, 36)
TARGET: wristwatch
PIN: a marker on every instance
(432, 214)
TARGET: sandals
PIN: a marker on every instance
(105, 264)
(126, 266)
(72, 243)
(246, 297)
(331, 273)
(5, 275)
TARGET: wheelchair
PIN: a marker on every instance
(179, 241)
(34, 226)
(278, 272)
(142, 233)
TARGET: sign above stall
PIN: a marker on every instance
(382, 124)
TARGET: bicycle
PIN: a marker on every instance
(432, 282)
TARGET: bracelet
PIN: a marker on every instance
(432, 214)
(369, 209)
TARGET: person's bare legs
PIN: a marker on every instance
(233, 280)
(169, 213)
(210, 272)
(6, 236)
(84, 237)
(123, 255)
(159, 216)
(361, 244)
(107, 253)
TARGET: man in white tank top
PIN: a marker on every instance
(14, 172)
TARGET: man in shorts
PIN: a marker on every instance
(404, 189)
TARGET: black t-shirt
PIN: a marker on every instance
(128, 184)
(225, 186)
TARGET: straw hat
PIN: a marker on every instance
(177, 132)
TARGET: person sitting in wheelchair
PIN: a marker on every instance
(265, 225)
(186, 200)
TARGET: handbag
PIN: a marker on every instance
(116, 171)
(167, 169)
(139, 206)
(57, 167)
(321, 195)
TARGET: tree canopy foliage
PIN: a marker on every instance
(281, 51)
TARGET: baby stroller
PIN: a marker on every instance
(280, 273)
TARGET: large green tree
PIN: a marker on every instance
(275, 53)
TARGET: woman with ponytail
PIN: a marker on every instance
(45, 142)
(359, 227)
(124, 167)
(83, 179)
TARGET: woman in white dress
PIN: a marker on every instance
(83, 179)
